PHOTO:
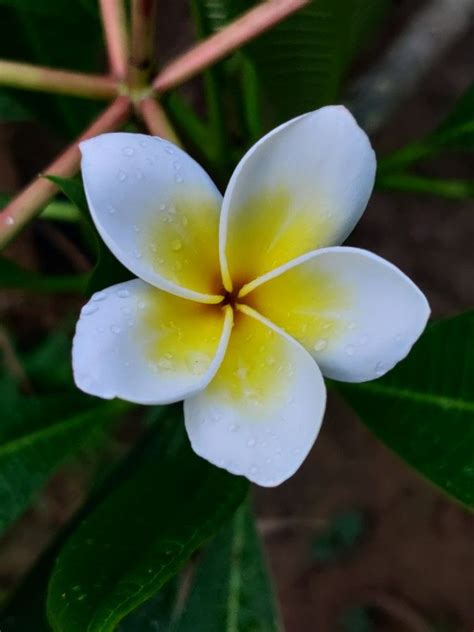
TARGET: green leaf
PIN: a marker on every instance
(27, 462)
(302, 61)
(450, 189)
(13, 276)
(141, 535)
(231, 588)
(424, 408)
(457, 130)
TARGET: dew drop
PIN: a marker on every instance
(88, 310)
(398, 338)
(137, 253)
(270, 361)
(176, 245)
(141, 305)
(111, 209)
(253, 469)
(165, 363)
(139, 174)
(149, 160)
(327, 326)
(176, 165)
(251, 442)
(121, 175)
(142, 142)
(169, 150)
(178, 178)
(115, 329)
(9, 220)
(320, 344)
(350, 350)
(123, 293)
(162, 207)
(184, 220)
(233, 427)
(352, 325)
(136, 228)
(100, 296)
(128, 151)
(380, 368)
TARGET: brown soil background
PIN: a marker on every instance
(414, 564)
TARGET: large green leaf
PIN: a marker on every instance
(302, 61)
(141, 535)
(231, 588)
(424, 408)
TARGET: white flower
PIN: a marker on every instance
(242, 304)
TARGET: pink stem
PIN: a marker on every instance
(20, 75)
(156, 120)
(115, 30)
(243, 29)
(37, 194)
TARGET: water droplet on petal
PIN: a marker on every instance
(121, 175)
(115, 329)
(176, 245)
(380, 368)
(350, 350)
(123, 293)
(320, 344)
(139, 174)
(111, 209)
(136, 228)
(9, 220)
(99, 296)
(89, 309)
(251, 442)
(178, 178)
(233, 427)
(128, 151)
(176, 165)
(169, 150)
(352, 325)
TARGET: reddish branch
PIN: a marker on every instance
(115, 31)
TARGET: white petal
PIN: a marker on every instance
(357, 314)
(262, 412)
(301, 187)
(157, 210)
(144, 345)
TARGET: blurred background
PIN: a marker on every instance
(356, 540)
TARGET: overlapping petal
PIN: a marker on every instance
(301, 187)
(157, 210)
(147, 346)
(357, 314)
(262, 412)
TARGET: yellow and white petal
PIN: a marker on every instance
(301, 187)
(262, 412)
(157, 210)
(138, 343)
(357, 314)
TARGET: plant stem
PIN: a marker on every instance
(31, 200)
(243, 29)
(18, 75)
(115, 31)
(156, 120)
(142, 33)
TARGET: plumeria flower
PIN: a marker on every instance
(242, 303)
